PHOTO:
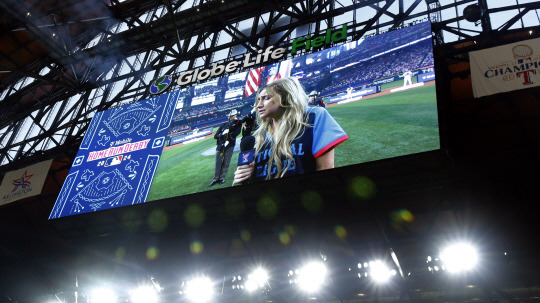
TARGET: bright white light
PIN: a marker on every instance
(251, 285)
(459, 258)
(257, 279)
(199, 290)
(102, 295)
(144, 294)
(312, 276)
(379, 271)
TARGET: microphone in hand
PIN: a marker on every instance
(247, 150)
(245, 160)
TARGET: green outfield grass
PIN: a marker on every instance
(388, 126)
(185, 170)
(383, 127)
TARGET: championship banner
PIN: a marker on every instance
(117, 158)
(505, 68)
(23, 183)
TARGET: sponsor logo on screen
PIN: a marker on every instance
(113, 161)
(250, 60)
(192, 76)
(308, 42)
(161, 84)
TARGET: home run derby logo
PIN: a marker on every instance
(22, 181)
(160, 84)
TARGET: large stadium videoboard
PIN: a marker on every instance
(373, 99)
(380, 91)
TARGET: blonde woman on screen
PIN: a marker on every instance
(292, 138)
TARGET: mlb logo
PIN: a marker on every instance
(113, 161)
(246, 157)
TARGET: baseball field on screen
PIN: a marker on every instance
(379, 127)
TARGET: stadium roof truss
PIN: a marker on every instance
(60, 64)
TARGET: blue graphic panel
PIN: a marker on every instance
(117, 158)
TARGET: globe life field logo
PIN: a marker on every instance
(251, 60)
(161, 84)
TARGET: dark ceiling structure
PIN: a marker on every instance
(60, 62)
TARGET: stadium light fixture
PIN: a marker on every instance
(102, 295)
(257, 279)
(380, 272)
(312, 276)
(251, 286)
(144, 294)
(459, 257)
(199, 290)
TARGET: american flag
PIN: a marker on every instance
(273, 73)
(253, 81)
(279, 70)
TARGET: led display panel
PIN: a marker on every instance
(379, 91)
(361, 101)
(117, 158)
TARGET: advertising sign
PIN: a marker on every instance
(24, 182)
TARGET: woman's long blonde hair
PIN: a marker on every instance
(293, 101)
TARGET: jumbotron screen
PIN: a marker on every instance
(380, 91)
(357, 102)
